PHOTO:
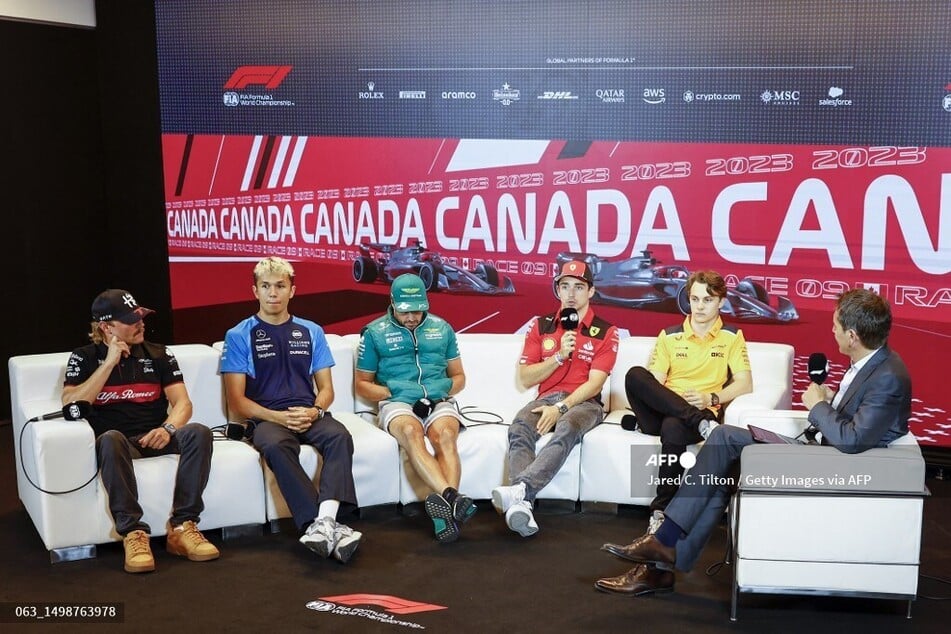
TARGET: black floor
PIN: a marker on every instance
(491, 580)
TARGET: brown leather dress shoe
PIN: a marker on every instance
(638, 581)
(646, 548)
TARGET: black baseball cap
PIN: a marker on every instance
(116, 304)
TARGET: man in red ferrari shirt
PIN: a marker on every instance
(568, 355)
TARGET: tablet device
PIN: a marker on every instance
(772, 438)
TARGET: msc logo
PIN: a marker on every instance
(392, 604)
(780, 97)
(717, 355)
(268, 76)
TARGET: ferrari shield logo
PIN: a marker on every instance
(593, 331)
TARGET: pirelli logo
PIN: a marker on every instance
(268, 76)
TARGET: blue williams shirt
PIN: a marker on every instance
(279, 360)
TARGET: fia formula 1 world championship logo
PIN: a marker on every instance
(345, 605)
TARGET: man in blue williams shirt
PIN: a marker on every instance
(271, 363)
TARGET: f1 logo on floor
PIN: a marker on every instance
(394, 605)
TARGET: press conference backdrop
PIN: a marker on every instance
(800, 148)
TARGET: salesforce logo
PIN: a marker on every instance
(834, 100)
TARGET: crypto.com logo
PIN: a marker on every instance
(395, 605)
(268, 76)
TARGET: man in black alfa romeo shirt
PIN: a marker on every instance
(130, 383)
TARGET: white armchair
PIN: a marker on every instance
(813, 520)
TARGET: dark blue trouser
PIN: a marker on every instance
(115, 453)
(281, 450)
(699, 504)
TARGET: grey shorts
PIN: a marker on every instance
(391, 409)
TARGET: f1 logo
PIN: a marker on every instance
(268, 76)
(395, 605)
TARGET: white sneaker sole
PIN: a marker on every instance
(321, 547)
(497, 502)
(521, 523)
(345, 548)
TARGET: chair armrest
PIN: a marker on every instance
(770, 397)
(788, 422)
(895, 470)
(57, 455)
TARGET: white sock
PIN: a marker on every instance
(328, 508)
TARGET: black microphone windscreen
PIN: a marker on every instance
(76, 410)
(629, 422)
(569, 318)
(818, 367)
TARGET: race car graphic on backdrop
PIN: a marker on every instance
(386, 262)
(644, 282)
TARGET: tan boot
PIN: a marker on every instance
(187, 541)
(138, 553)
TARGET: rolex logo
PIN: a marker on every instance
(371, 85)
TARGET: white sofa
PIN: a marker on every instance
(58, 456)
(375, 453)
(241, 491)
(813, 520)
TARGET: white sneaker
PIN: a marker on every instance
(520, 519)
(706, 428)
(654, 522)
(346, 540)
(504, 497)
(320, 536)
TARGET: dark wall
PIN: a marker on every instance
(80, 177)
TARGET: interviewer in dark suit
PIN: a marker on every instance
(871, 409)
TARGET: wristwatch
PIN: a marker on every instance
(714, 400)
(170, 428)
(562, 407)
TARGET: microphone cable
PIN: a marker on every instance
(34, 484)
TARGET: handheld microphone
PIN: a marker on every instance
(818, 367)
(424, 407)
(240, 431)
(569, 320)
(818, 371)
(71, 411)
